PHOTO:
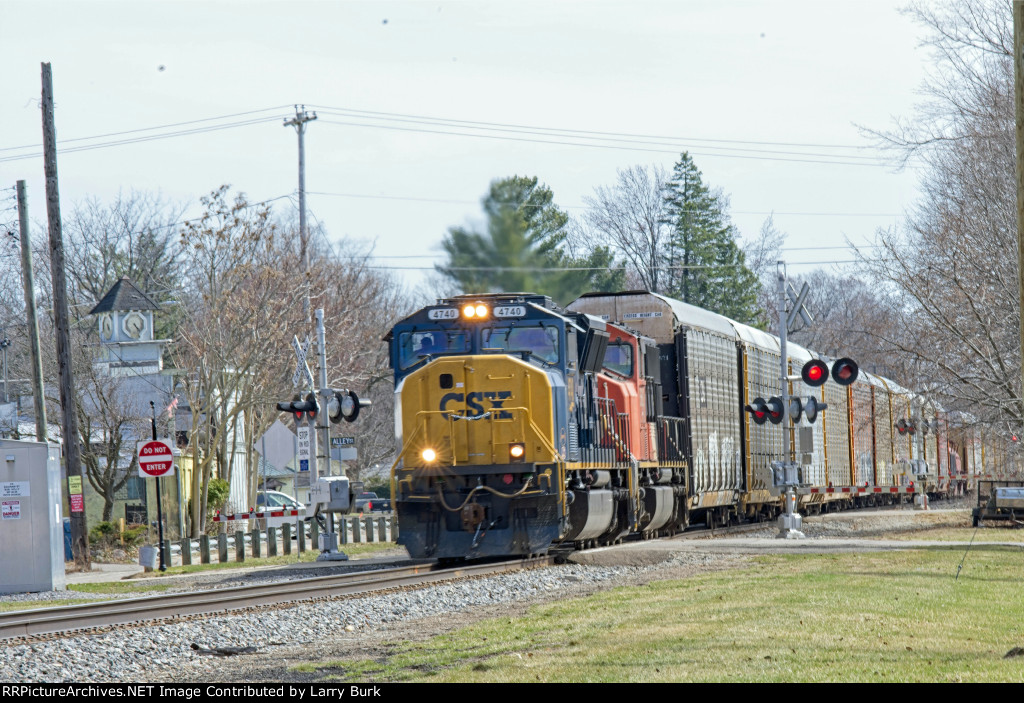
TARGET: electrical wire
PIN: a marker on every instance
(587, 132)
(147, 129)
(596, 136)
(878, 164)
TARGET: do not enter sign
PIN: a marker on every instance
(156, 458)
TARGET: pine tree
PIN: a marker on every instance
(522, 248)
(705, 266)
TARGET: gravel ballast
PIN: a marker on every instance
(283, 636)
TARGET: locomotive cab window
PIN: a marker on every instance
(413, 347)
(540, 342)
(618, 358)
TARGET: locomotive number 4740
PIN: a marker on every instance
(510, 311)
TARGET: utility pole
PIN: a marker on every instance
(27, 278)
(299, 123)
(1018, 92)
(69, 424)
(4, 343)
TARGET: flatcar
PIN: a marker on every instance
(521, 425)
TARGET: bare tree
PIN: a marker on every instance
(232, 342)
(629, 218)
(950, 274)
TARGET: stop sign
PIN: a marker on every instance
(155, 458)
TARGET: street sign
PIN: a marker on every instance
(301, 368)
(304, 453)
(156, 458)
(342, 441)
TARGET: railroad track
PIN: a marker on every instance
(67, 620)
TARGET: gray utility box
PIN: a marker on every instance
(31, 524)
(332, 493)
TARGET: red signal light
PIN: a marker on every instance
(845, 371)
(758, 411)
(814, 373)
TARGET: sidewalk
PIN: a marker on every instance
(102, 573)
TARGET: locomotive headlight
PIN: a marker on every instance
(481, 311)
(469, 311)
(516, 451)
(429, 455)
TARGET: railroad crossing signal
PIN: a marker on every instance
(301, 368)
(345, 405)
(815, 372)
(301, 408)
(798, 305)
(758, 410)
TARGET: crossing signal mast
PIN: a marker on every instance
(327, 494)
(815, 373)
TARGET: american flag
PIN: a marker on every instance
(172, 406)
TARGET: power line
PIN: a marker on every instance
(147, 129)
(878, 164)
(447, 201)
(555, 269)
(149, 138)
(596, 136)
(589, 132)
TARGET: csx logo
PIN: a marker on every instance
(474, 402)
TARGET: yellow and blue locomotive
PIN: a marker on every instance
(521, 424)
(511, 434)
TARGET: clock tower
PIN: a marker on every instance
(125, 322)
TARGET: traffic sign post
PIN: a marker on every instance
(156, 459)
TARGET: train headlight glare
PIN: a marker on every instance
(469, 311)
(516, 451)
(428, 455)
(481, 311)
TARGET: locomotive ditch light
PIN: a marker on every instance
(758, 411)
(429, 455)
(517, 451)
(776, 410)
(812, 407)
(814, 373)
(845, 371)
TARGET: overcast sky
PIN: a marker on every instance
(766, 96)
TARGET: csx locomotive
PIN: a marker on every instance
(521, 424)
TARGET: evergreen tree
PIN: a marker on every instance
(522, 248)
(705, 266)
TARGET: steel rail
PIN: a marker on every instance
(47, 621)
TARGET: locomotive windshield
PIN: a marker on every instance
(414, 346)
(618, 358)
(541, 342)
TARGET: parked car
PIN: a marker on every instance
(370, 502)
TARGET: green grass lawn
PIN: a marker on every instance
(894, 616)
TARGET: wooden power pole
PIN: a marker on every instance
(1018, 93)
(28, 280)
(299, 123)
(69, 420)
